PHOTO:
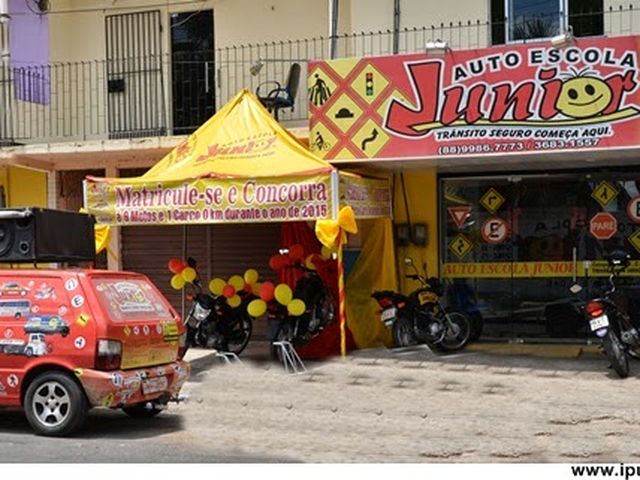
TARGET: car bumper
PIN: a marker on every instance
(127, 387)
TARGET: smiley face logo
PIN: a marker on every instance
(584, 97)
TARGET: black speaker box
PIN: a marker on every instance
(31, 235)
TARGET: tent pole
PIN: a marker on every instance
(341, 299)
(184, 257)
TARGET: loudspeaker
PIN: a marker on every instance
(31, 235)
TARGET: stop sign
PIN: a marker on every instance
(603, 226)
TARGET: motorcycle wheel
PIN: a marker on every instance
(458, 331)
(403, 333)
(240, 335)
(616, 354)
(284, 334)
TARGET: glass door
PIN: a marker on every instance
(510, 252)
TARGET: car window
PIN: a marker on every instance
(130, 299)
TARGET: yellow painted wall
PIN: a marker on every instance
(422, 195)
(24, 187)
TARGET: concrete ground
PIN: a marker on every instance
(415, 406)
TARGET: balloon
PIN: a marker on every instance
(176, 265)
(216, 285)
(228, 291)
(326, 253)
(296, 252)
(189, 274)
(251, 276)
(177, 281)
(296, 307)
(256, 308)
(278, 262)
(255, 288)
(266, 291)
(283, 294)
(237, 282)
(234, 301)
(309, 262)
(248, 288)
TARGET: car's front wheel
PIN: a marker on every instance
(55, 404)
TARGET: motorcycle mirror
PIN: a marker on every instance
(575, 288)
(192, 262)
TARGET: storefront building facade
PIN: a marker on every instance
(532, 150)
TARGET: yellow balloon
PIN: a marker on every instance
(326, 252)
(177, 281)
(257, 307)
(189, 274)
(296, 307)
(236, 282)
(216, 285)
(251, 276)
(308, 263)
(234, 301)
(255, 289)
(283, 294)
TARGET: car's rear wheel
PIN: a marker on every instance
(55, 404)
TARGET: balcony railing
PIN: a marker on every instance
(161, 95)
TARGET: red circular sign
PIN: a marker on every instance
(603, 226)
(495, 230)
(633, 209)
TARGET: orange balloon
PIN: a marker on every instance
(266, 291)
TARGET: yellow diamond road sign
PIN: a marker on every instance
(369, 83)
(604, 193)
(370, 139)
(321, 140)
(344, 112)
(492, 200)
(635, 240)
(460, 246)
(320, 87)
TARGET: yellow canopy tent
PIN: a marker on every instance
(240, 166)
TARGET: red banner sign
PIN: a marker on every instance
(488, 101)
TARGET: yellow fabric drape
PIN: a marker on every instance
(375, 269)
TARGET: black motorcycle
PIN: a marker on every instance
(420, 317)
(213, 323)
(619, 335)
(320, 311)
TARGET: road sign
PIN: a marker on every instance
(460, 214)
(604, 193)
(635, 240)
(633, 209)
(492, 200)
(603, 226)
(495, 230)
(460, 246)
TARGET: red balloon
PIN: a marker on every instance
(248, 288)
(176, 265)
(296, 252)
(266, 291)
(228, 291)
(278, 262)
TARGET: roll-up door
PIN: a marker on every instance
(220, 250)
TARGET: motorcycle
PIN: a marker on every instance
(320, 310)
(420, 317)
(619, 335)
(213, 323)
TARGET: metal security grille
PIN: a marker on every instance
(135, 99)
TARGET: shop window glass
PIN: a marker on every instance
(522, 20)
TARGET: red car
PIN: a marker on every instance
(122, 347)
